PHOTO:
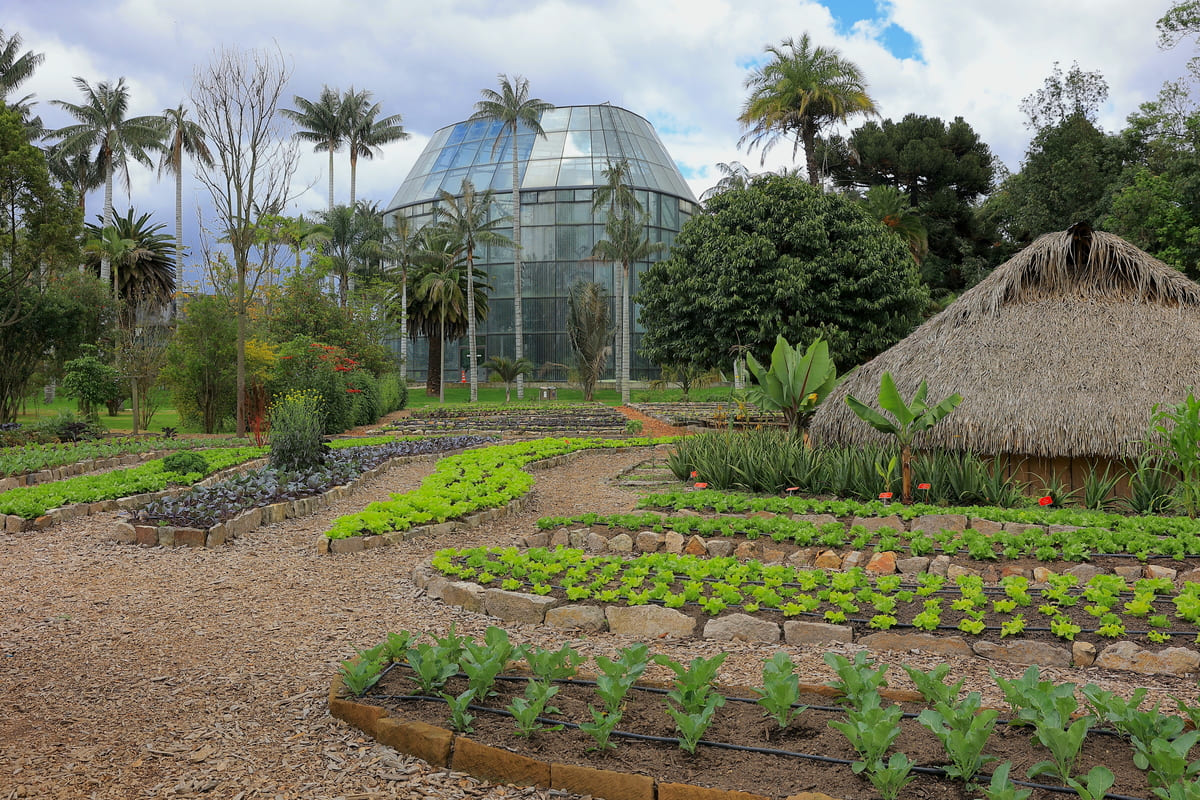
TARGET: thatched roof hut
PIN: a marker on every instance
(1060, 353)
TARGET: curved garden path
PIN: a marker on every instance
(143, 673)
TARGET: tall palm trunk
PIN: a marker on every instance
(331, 178)
(404, 325)
(471, 325)
(353, 175)
(518, 314)
(105, 263)
(808, 137)
(625, 333)
(178, 219)
(441, 366)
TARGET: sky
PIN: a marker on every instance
(681, 64)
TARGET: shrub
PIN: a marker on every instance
(364, 391)
(185, 462)
(393, 393)
(296, 431)
(92, 382)
(305, 365)
(66, 427)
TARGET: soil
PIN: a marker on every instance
(744, 724)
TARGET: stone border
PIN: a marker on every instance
(649, 622)
(446, 749)
(357, 544)
(79, 468)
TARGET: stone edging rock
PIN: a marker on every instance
(356, 544)
(650, 622)
(173, 536)
(446, 749)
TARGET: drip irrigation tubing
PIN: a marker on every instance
(770, 751)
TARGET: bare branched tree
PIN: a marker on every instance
(236, 99)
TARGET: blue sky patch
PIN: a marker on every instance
(895, 39)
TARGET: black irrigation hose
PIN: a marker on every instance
(937, 772)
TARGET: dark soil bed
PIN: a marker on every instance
(743, 723)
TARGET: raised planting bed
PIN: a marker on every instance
(483, 480)
(210, 515)
(1146, 625)
(462, 704)
(711, 415)
(42, 463)
(541, 419)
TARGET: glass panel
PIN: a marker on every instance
(549, 147)
(424, 162)
(584, 195)
(477, 129)
(502, 179)
(537, 243)
(453, 181)
(502, 281)
(432, 184)
(670, 213)
(500, 315)
(555, 119)
(573, 212)
(537, 214)
(541, 173)
(580, 121)
(466, 154)
(445, 158)
(438, 139)
(573, 242)
(481, 177)
(596, 122)
(578, 143)
(540, 279)
(488, 156)
(457, 133)
(575, 172)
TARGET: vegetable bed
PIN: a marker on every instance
(850, 739)
(541, 418)
(36, 457)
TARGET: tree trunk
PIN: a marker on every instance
(404, 325)
(809, 138)
(353, 175)
(331, 177)
(178, 230)
(906, 475)
(518, 315)
(105, 264)
(625, 334)
(618, 293)
(133, 402)
(474, 377)
(241, 347)
(442, 383)
(433, 367)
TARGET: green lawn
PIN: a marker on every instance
(37, 411)
(459, 393)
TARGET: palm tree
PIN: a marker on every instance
(142, 259)
(104, 131)
(16, 68)
(508, 370)
(798, 92)
(183, 136)
(348, 243)
(401, 245)
(618, 196)
(734, 175)
(365, 134)
(626, 242)
(590, 331)
(78, 171)
(891, 206)
(513, 108)
(321, 123)
(466, 219)
(441, 288)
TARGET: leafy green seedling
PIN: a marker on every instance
(693, 683)
(1167, 759)
(433, 666)
(1095, 784)
(1063, 741)
(932, 685)
(617, 677)
(396, 645)
(460, 716)
(781, 690)
(870, 730)
(1002, 787)
(527, 710)
(691, 726)
(857, 680)
(483, 662)
(963, 731)
(361, 673)
(553, 665)
(601, 727)
(888, 779)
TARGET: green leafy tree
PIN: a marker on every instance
(201, 361)
(143, 258)
(91, 382)
(104, 130)
(321, 123)
(365, 131)
(515, 110)
(469, 219)
(401, 244)
(589, 329)
(16, 68)
(908, 419)
(779, 258)
(350, 240)
(795, 383)
(798, 92)
(940, 171)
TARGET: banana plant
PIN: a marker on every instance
(795, 384)
(908, 419)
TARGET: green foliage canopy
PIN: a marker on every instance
(779, 258)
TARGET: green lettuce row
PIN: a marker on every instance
(485, 478)
(736, 503)
(36, 457)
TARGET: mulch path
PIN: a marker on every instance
(650, 425)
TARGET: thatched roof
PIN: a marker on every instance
(1061, 351)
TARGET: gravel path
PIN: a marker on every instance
(138, 673)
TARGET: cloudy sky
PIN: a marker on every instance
(679, 63)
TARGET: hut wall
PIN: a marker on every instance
(1034, 472)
